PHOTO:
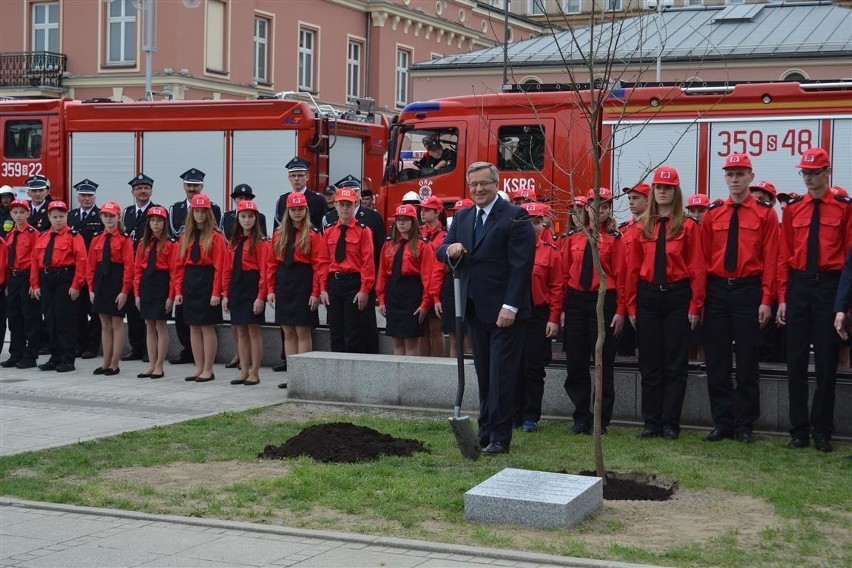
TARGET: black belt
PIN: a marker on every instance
(664, 287)
(345, 275)
(815, 276)
(746, 281)
(57, 270)
(20, 272)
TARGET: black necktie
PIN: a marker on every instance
(82, 215)
(138, 216)
(586, 270)
(290, 252)
(396, 269)
(48, 252)
(660, 254)
(480, 223)
(238, 259)
(812, 262)
(340, 250)
(12, 249)
(152, 258)
(733, 239)
(195, 252)
(107, 257)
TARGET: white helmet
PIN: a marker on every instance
(503, 194)
(7, 189)
(411, 198)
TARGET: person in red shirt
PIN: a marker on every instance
(58, 273)
(637, 200)
(23, 311)
(294, 268)
(198, 268)
(4, 272)
(109, 278)
(244, 287)
(434, 229)
(543, 324)
(402, 286)
(580, 310)
(664, 291)
(154, 287)
(764, 191)
(816, 234)
(345, 288)
(740, 241)
(696, 206)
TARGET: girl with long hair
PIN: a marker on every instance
(198, 267)
(402, 285)
(154, 287)
(109, 279)
(433, 229)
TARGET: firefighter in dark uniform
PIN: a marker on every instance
(816, 234)
(38, 189)
(86, 222)
(298, 172)
(23, 311)
(56, 278)
(229, 218)
(133, 219)
(7, 195)
(740, 241)
(193, 184)
(345, 289)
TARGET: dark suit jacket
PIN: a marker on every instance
(87, 228)
(39, 220)
(497, 269)
(133, 229)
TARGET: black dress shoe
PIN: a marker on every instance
(212, 377)
(157, 375)
(823, 444)
(280, 368)
(99, 371)
(649, 433)
(143, 375)
(238, 382)
(797, 442)
(495, 448)
(25, 364)
(8, 363)
(111, 372)
(49, 366)
(190, 378)
(581, 428)
(282, 385)
(670, 434)
(745, 437)
(65, 367)
(132, 356)
(717, 434)
(88, 355)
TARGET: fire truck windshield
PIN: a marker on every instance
(427, 152)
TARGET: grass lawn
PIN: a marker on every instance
(737, 505)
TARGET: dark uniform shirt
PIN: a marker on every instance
(86, 227)
(134, 225)
(38, 218)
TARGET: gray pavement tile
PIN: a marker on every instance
(156, 540)
(59, 528)
(15, 545)
(247, 551)
(86, 556)
(13, 516)
(183, 562)
(445, 563)
(364, 558)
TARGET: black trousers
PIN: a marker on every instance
(60, 314)
(581, 333)
(662, 333)
(496, 357)
(810, 321)
(3, 317)
(24, 315)
(182, 330)
(348, 327)
(535, 356)
(135, 326)
(88, 325)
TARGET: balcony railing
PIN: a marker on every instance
(32, 69)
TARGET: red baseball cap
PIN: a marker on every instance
(247, 205)
(766, 186)
(737, 161)
(432, 202)
(814, 159)
(606, 194)
(57, 205)
(20, 203)
(405, 210)
(111, 208)
(786, 196)
(296, 199)
(579, 201)
(346, 194)
(200, 201)
(698, 200)
(666, 175)
(641, 188)
(157, 211)
(536, 209)
(524, 194)
(462, 203)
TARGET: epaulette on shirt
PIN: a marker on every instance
(425, 239)
(623, 225)
(172, 239)
(796, 199)
(572, 231)
(765, 203)
(389, 238)
(551, 245)
(315, 229)
(74, 232)
(362, 225)
(616, 233)
(715, 204)
(843, 199)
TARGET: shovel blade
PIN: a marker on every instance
(466, 440)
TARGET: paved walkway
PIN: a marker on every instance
(48, 409)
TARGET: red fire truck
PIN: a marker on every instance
(232, 141)
(540, 139)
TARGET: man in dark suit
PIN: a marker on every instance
(141, 187)
(86, 221)
(298, 172)
(193, 184)
(241, 192)
(495, 245)
(38, 190)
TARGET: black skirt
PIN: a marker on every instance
(241, 299)
(196, 305)
(448, 305)
(153, 293)
(401, 301)
(107, 287)
(293, 286)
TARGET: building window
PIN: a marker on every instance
(307, 59)
(536, 7)
(735, 2)
(121, 33)
(520, 148)
(216, 35)
(261, 50)
(46, 26)
(353, 70)
(614, 5)
(694, 2)
(22, 139)
(571, 6)
(403, 60)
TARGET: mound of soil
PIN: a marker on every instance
(342, 442)
(634, 487)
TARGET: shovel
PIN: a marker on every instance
(466, 440)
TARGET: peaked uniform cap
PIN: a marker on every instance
(38, 182)
(297, 164)
(86, 187)
(349, 181)
(141, 179)
(243, 190)
(192, 176)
